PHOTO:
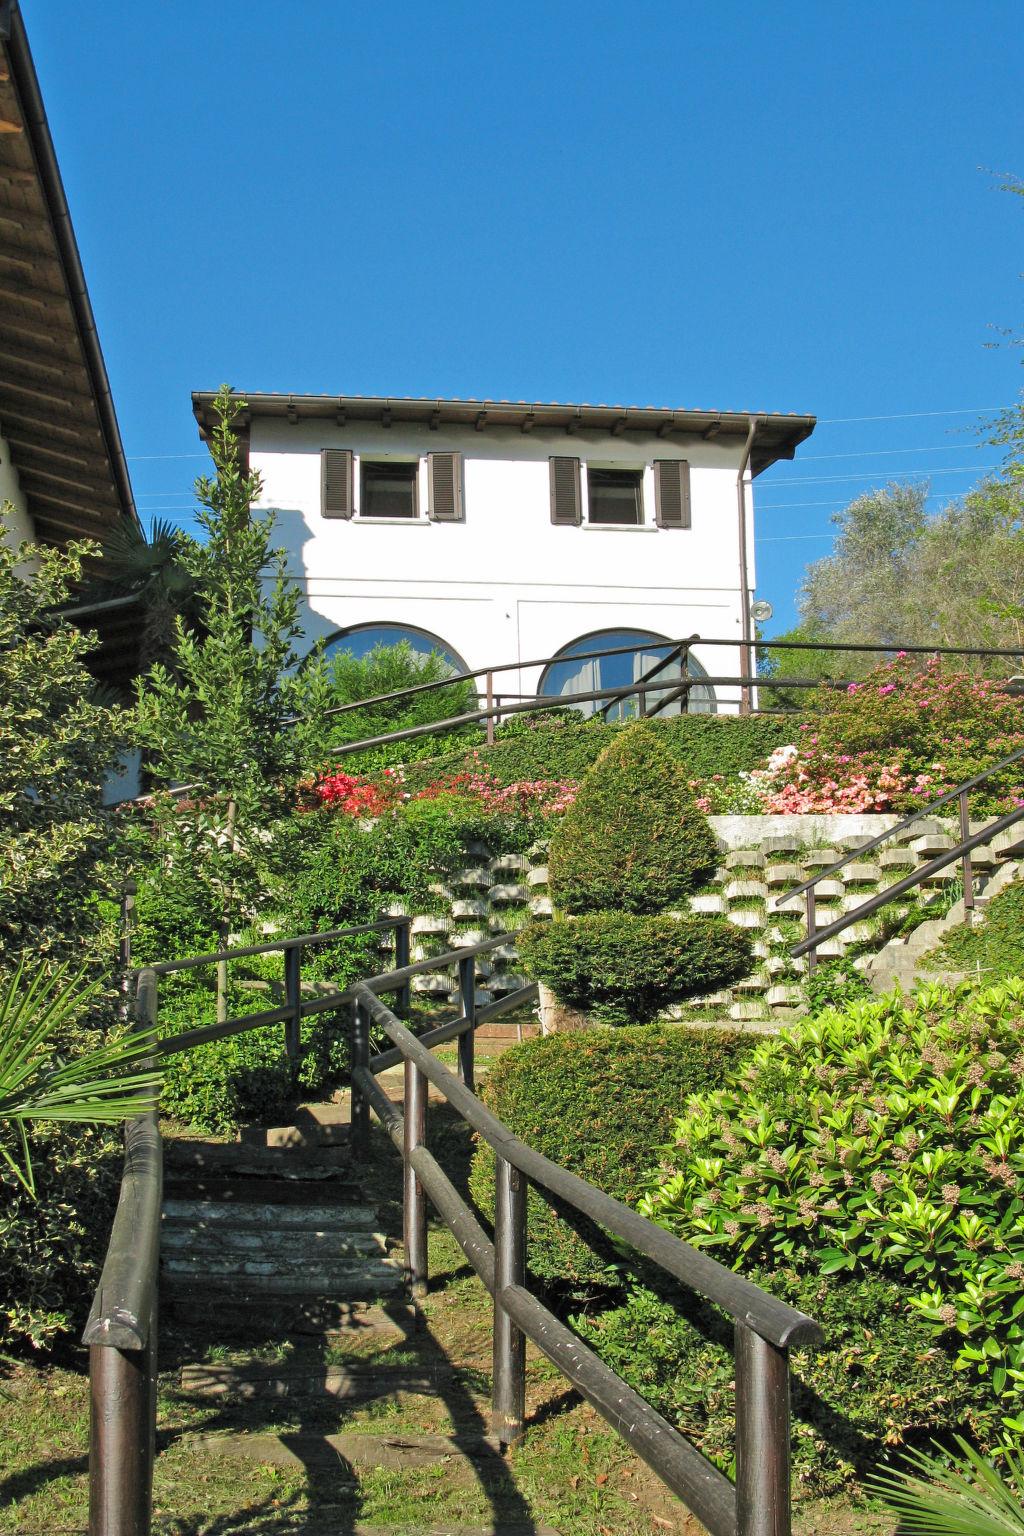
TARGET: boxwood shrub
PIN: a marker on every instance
(625, 969)
(600, 1103)
(633, 841)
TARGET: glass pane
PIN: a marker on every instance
(614, 496)
(359, 642)
(568, 678)
(388, 490)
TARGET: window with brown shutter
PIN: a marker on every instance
(336, 482)
(565, 491)
(672, 493)
(444, 475)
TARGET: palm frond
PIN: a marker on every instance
(965, 1496)
(36, 1084)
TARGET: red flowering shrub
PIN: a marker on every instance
(346, 792)
(370, 798)
(904, 735)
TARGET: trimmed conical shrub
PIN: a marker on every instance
(633, 841)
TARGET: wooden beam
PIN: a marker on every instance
(44, 336)
(70, 523)
(7, 126)
(712, 431)
(88, 509)
(63, 397)
(26, 416)
(529, 422)
(28, 357)
(16, 440)
(28, 293)
(29, 473)
(19, 177)
(619, 426)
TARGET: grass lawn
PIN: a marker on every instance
(995, 948)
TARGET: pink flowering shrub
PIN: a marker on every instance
(903, 736)
(368, 798)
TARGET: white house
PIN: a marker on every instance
(500, 531)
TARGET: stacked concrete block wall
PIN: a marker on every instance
(763, 859)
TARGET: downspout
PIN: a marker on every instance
(746, 632)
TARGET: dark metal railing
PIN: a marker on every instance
(765, 1329)
(121, 1332)
(960, 853)
(122, 1326)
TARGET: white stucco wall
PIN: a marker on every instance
(18, 527)
(506, 584)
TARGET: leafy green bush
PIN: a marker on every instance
(883, 1140)
(996, 946)
(834, 983)
(624, 969)
(564, 746)
(633, 841)
(879, 1382)
(599, 1103)
(326, 681)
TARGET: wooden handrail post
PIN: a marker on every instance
(812, 954)
(121, 1440)
(414, 1200)
(762, 1436)
(359, 1057)
(490, 705)
(508, 1403)
(293, 999)
(467, 1041)
(967, 863)
(403, 952)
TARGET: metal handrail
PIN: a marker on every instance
(908, 821)
(765, 1328)
(300, 941)
(121, 1331)
(868, 648)
(900, 887)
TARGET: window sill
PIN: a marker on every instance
(393, 522)
(620, 527)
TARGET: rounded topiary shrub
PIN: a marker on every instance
(633, 841)
(601, 1104)
(624, 969)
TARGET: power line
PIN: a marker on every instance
(877, 453)
(959, 469)
(790, 538)
(978, 410)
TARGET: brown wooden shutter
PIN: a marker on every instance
(672, 493)
(444, 477)
(336, 482)
(565, 491)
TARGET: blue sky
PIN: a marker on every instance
(744, 207)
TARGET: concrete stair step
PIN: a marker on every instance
(351, 1382)
(227, 1244)
(241, 1158)
(225, 1188)
(267, 1215)
(297, 1263)
(309, 1323)
(396, 1451)
(335, 1284)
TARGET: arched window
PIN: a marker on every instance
(363, 638)
(564, 678)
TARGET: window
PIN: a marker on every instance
(363, 638)
(563, 679)
(388, 488)
(615, 496)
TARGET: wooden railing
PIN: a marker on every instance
(122, 1326)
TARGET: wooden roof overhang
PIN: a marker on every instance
(777, 436)
(56, 411)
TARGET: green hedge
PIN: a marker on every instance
(879, 1381)
(633, 841)
(600, 1103)
(624, 969)
(565, 748)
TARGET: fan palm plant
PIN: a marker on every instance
(38, 1083)
(965, 1496)
(153, 569)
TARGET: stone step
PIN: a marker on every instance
(266, 1215)
(351, 1382)
(295, 1246)
(311, 1324)
(338, 1283)
(225, 1188)
(396, 1451)
(253, 1158)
